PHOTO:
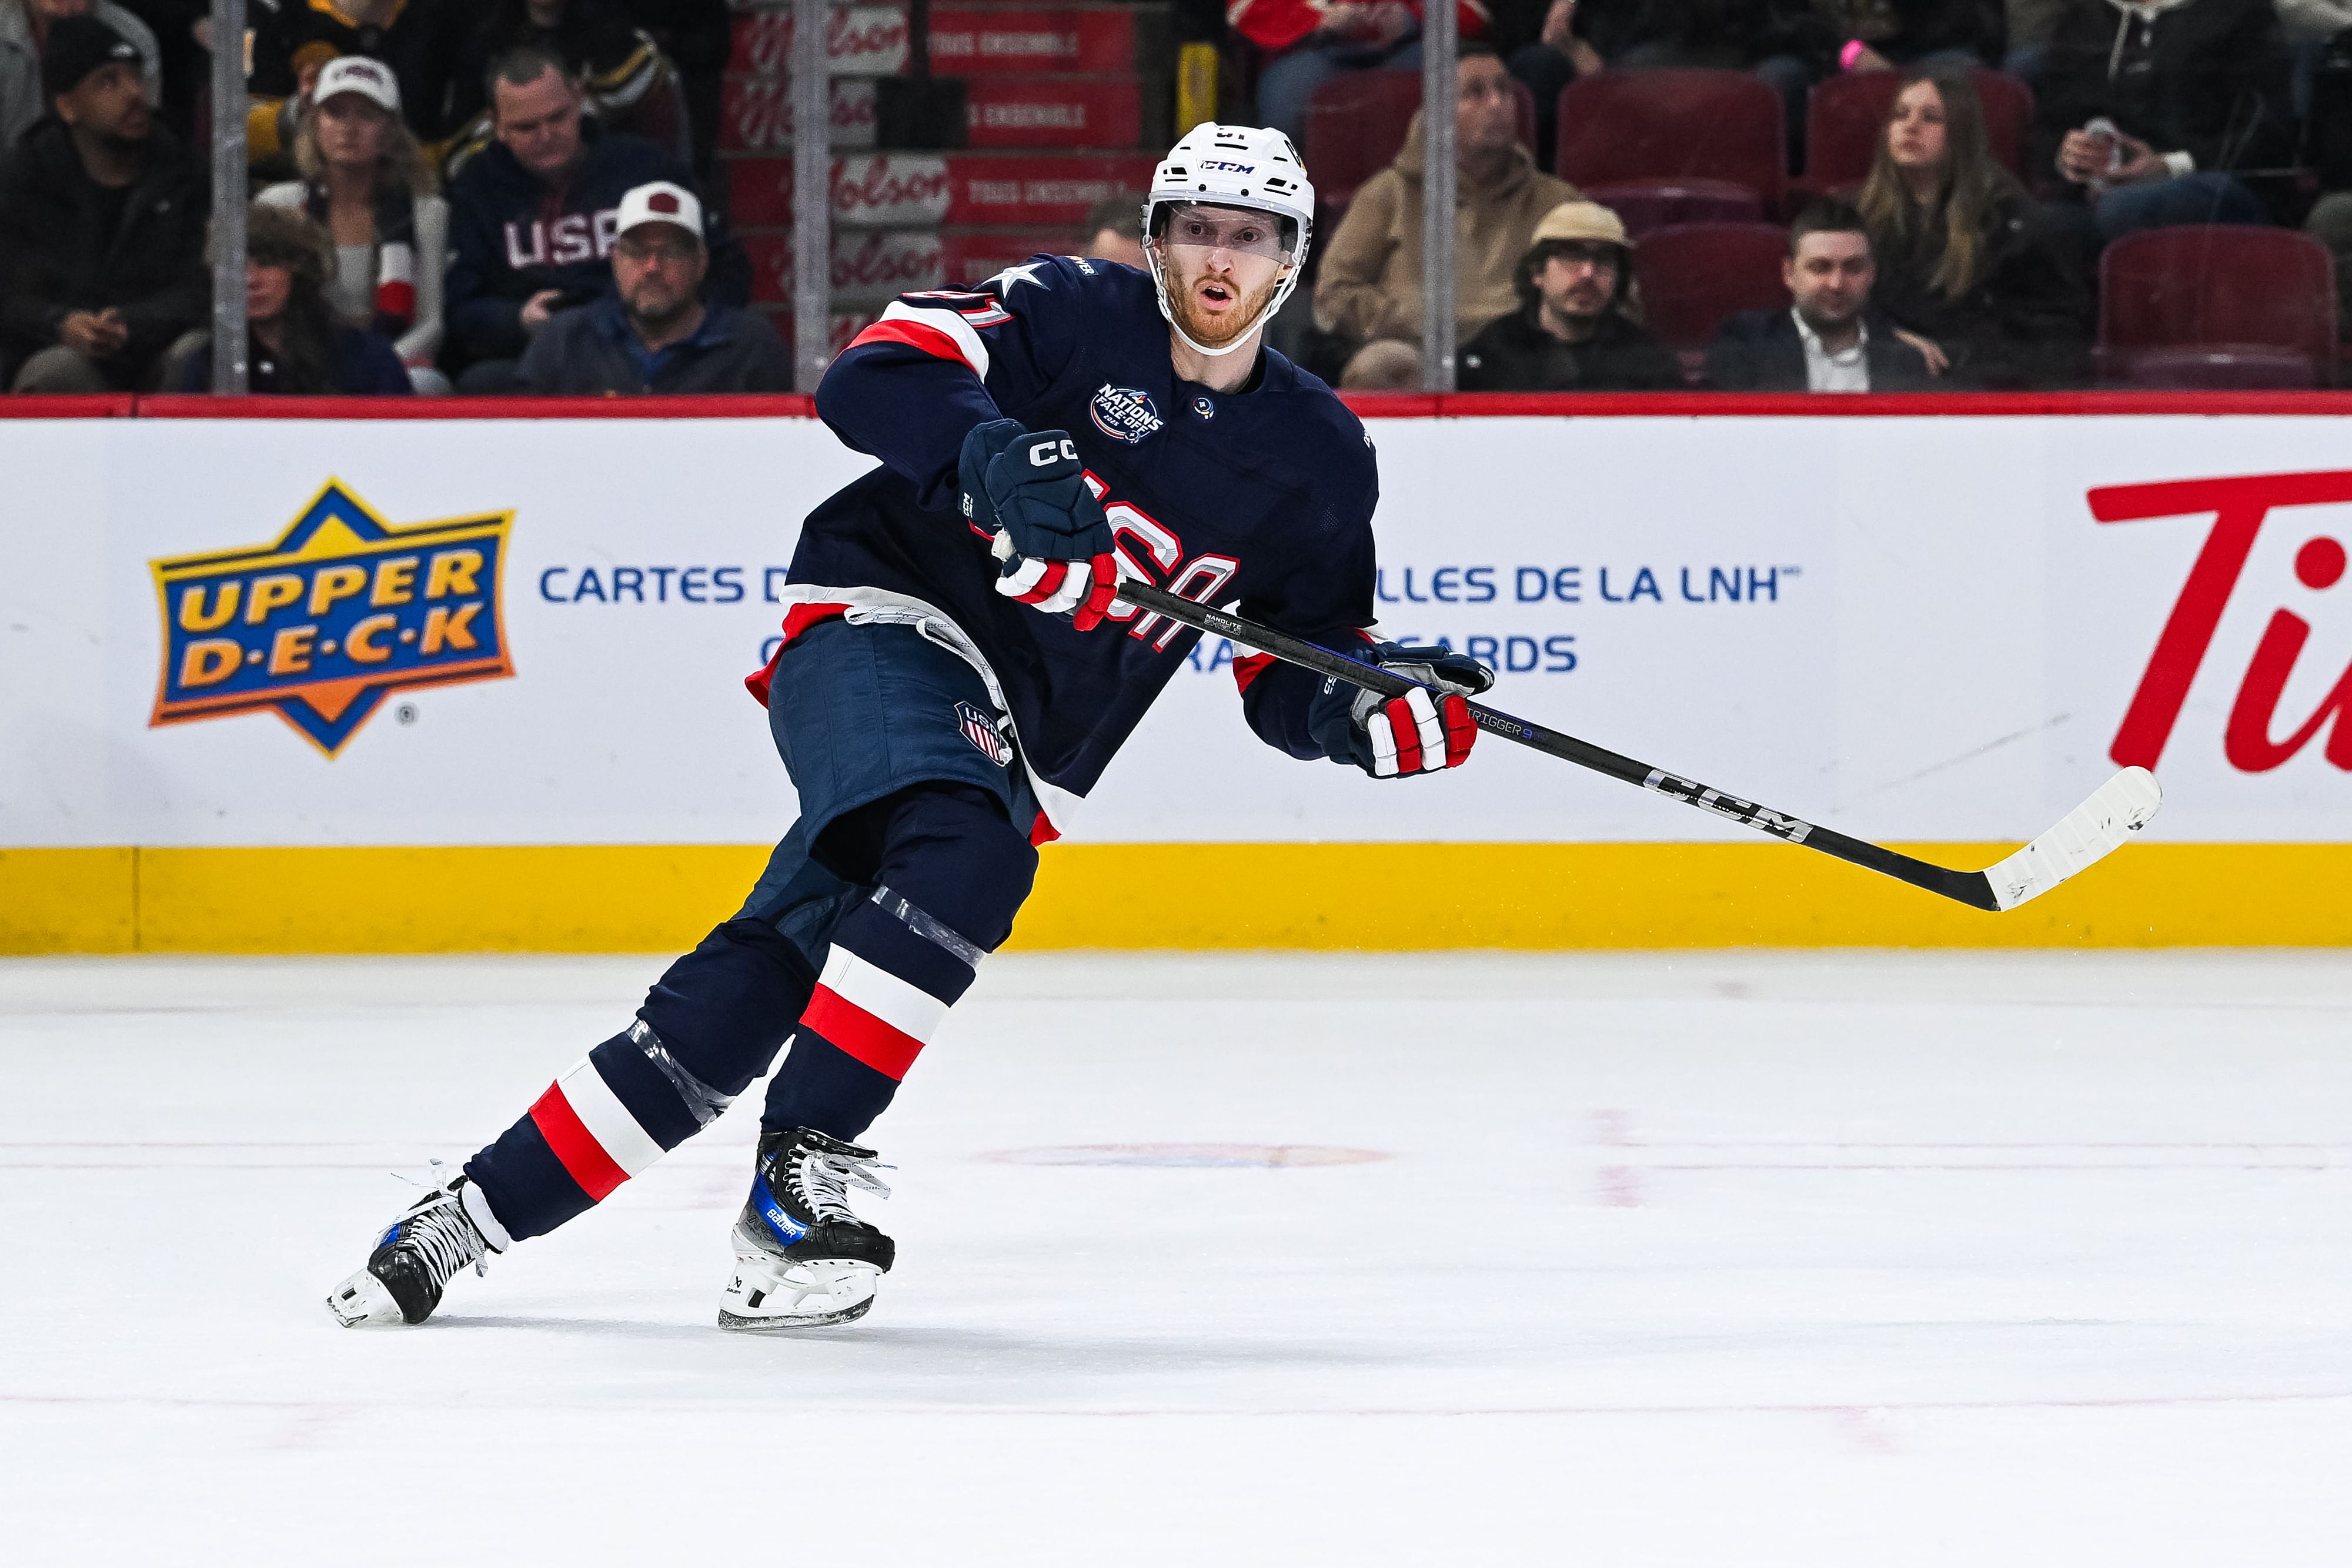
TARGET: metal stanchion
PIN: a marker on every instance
(229, 369)
(811, 195)
(1438, 48)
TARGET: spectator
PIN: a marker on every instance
(1966, 260)
(1916, 34)
(1547, 64)
(1311, 41)
(365, 182)
(1823, 342)
(101, 225)
(531, 218)
(294, 39)
(654, 333)
(297, 346)
(1370, 292)
(23, 36)
(2146, 108)
(1116, 224)
(625, 80)
(1574, 329)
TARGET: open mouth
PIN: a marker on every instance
(1215, 297)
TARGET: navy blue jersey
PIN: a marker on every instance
(1261, 498)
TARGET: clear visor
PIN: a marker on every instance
(1225, 228)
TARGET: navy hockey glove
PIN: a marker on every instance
(1050, 531)
(1389, 737)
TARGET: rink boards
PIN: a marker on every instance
(430, 683)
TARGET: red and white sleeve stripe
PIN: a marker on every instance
(942, 334)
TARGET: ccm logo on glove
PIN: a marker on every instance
(1045, 526)
(1426, 730)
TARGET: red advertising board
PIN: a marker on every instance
(871, 40)
(899, 190)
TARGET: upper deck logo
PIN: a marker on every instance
(341, 609)
(1124, 413)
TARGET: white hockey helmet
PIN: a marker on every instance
(1233, 166)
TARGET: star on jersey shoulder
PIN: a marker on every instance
(1025, 273)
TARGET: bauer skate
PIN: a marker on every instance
(448, 1228)
(802, 1258)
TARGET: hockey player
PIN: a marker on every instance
(955, 673)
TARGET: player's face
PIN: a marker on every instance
(1223, 266)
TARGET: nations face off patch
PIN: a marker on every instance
(343, 609)
(1124, 413)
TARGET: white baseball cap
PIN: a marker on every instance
(371, 79)
(661, 203)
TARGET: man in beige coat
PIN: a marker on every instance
(1370, 289)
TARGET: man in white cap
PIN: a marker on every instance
(954, 673)
(1573, 331)
(655, 332)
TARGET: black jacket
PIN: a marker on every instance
(1514, 353)
(1760, 351)
(1726, 34)
(58, 255)
(2204, 77)
(2027, 322)
(510, 236)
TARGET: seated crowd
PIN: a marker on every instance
(509, 195)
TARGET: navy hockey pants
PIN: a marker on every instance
(908, 862)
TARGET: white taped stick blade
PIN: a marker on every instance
(2090, 832)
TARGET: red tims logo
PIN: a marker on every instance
(2238, 507)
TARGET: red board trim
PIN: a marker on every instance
(1370, 406)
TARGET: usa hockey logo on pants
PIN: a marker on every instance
(343, 609)
(981, 730)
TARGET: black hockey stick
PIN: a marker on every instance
(2116, 809)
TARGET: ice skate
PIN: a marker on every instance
(415, 1257)
(802, 1258)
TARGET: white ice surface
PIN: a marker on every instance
(1717, 1259)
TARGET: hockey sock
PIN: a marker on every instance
(951, 874)
(710, 1026)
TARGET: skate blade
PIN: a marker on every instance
(362, 1302)
(769, 1294)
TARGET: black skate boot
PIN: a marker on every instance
(802, 1258)
(442, 1232)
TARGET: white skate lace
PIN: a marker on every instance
(442, 1233)
(445, 1238)
(824, 1180)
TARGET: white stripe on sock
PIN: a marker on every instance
(629, 1146)
(909, 1009)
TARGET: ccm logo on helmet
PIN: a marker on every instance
(1045, 454)
(1229, 168)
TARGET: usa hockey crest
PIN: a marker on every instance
(981, 730)
(1124, 415)
(343, 609)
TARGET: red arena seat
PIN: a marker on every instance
(1693, 275)
(1673, 126)
(2217, 305)
(1647, 205)
(1356, 123)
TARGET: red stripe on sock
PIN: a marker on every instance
(575, 1146)
(882, 1048)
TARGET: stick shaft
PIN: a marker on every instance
(1971, 888)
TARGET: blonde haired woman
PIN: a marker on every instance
(367, 183)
